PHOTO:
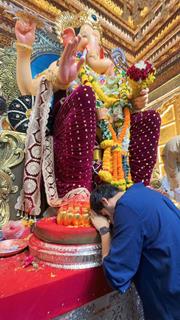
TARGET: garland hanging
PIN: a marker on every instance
(115, 167)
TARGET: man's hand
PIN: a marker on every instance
(141, 101)
(99, 221)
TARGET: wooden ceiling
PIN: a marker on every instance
(144, 29)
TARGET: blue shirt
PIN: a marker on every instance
(146, 248)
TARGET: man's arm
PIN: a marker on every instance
(106, 243)
(100, 222)
(121, 264)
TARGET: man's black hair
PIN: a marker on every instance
(102, 191)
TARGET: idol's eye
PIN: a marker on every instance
(84, 35)
(94, 17)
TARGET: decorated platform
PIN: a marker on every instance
(31, 291)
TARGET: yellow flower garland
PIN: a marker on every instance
(89, 80)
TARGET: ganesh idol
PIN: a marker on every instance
(91, 104)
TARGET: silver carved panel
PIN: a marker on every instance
(112, 306)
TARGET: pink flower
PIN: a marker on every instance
(28, 261)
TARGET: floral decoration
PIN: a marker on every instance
(140, 76)
(115, 167)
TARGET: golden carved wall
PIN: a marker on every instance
(170, 125)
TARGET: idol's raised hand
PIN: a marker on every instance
(25, 31)
(69, 67)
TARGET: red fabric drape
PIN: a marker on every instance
(44, 293)
(74, 133)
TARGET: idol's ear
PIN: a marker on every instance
(67, 35)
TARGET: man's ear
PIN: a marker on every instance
(105, 202)
(67, 35)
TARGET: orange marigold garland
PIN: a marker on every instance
(114, 159)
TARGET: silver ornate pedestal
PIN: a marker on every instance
(66, 256)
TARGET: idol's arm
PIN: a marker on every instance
(26, 84)
(25, 34)
(59, 76)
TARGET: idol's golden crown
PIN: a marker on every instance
(71, 20)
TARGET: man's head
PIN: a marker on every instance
(103, 200)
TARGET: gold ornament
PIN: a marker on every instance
(70, 20)
(8, 73)
(45, 6)
(23, 45)
(111, 6)
(11, 154)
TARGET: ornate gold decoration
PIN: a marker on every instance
(68, 19)
(11, 154)
(162, 33)
(172, 101)
(45, 6)
(28, 113)
(5, 41)
(132, 12)
(23, 45)
(5, 122)
(8, 73)
(111, 6)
